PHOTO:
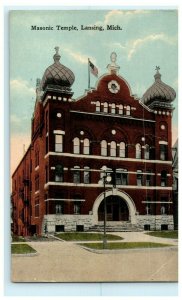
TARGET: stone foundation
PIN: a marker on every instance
(155, 222)
(70, 222)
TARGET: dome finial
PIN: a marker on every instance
(113, 67)
(56, 55)
(157, 75)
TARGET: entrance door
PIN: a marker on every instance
(117, 209)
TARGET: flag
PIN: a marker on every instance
(93, 69)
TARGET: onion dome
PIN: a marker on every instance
(159, 91)
(57, 74)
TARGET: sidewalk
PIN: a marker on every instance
(68, 262)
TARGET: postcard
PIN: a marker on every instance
(94, 145)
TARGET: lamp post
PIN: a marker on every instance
(106, 179)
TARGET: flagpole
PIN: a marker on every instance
(88, 74)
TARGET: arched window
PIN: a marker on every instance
(76, 145)
(163, 178)
(105, 107)
(86, 146)
(128, 110)
(121, 109)
(103, 148)
(59, 173)
(138, 151)
(113, 108)
(113, 149)
(122, 149)
(76, 174)
(98, 106)
(147, 152)
(86, 175)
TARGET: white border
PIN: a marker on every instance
(74, 289)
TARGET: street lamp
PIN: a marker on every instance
(106, 179)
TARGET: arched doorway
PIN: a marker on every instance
(117, 209)
(119, 204)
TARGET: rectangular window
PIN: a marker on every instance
(164, 206)
(37, 183)
(163, 152)
(37, 207)
(121, 178)
(59, 173)
(139, 178)
(76, 176)
(58, 143)
(77, 208)
(86, 175)
(59, 208)
(148, 180)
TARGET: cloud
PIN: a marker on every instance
(132, 46)
(19, 85)
(114, 15)
(138, 43)
(79, 57)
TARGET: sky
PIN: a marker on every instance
(148, 38)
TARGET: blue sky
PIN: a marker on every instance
(148, 39)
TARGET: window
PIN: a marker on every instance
(59, 208)
(147, 152)
(148, 179)
(122, 149)
(77, 208)
(98, 106)
(139, 178)
(58, 143)
(103, 148)
(113, 149)
(105, 107)
(59, 173)
(76, 175)
(37, 207)
(47, 144)
(47, 173)
(76, 145)
(86, 175)
(149, 206)
(121, 177)
(121, 109)
(113, 108)
(163, 152)
(138, 151)
(163, 178)
(36, 183)
(165, 206)
(128, 110)
(36, 157)
(86, 146)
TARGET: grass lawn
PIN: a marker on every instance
(21, 249)
(164, 234)
(85, 236)
(124, 245)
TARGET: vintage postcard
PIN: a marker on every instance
(94, 145)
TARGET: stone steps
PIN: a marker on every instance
(115, 228)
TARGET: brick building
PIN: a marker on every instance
(58, 185)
